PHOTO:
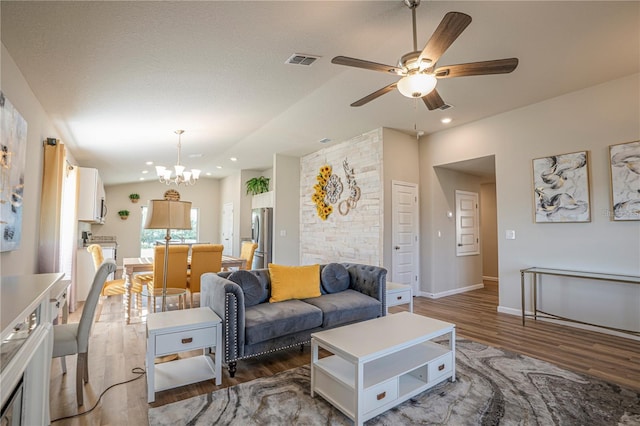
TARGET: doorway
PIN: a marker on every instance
(479, 176)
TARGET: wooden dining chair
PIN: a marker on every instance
(176, 274)
(246, 252)
(204, 258)
(113, 287)
(73, 338)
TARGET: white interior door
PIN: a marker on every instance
(405, 231)
(227, 229)
(467, 223)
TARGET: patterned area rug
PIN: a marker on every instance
(493, 387)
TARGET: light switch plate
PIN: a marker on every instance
(510, 234)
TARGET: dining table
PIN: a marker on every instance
(133, 265)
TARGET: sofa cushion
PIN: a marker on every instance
(294, 282)
(269, 320)
(345, 307)
(334, 278)
(254, 291)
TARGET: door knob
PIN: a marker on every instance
(397, 247)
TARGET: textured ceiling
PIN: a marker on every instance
(117, 78)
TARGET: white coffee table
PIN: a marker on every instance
(380, 363)
(180, 331)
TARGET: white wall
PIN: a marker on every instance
(286, 212)
(24, 260)
(205, 196)
(590, 119)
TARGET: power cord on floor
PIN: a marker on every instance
(137, 370)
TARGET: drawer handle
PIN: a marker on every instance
(57, 304)
(441, 367)
(187, 340)
(381, 396)
(399, 297)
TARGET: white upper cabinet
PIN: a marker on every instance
(91, 198)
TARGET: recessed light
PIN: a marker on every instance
(149, 163)
(233, 159)
(144, 172)
(218, 167)
(195, 155)
(141, 178)
(208, 173)
(446, 120)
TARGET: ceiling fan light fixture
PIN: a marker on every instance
(417, 85)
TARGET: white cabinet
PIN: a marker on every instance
(91, 200)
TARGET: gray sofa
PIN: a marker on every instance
(252, 326)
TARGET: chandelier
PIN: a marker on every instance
(181, 177)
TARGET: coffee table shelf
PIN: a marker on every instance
(376, 371)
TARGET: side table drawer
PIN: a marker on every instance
(182, 341)
(398, 298)
(440, 367)
(381, 394)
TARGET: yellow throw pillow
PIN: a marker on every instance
(294, 282)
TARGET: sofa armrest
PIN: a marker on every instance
(369, 280)
(226, 299)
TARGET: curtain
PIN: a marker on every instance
(50, 206)
(58, 215)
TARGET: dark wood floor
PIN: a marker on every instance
(116, 349)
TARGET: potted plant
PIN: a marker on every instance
(134, 197)
(124, 214)
(257, 185)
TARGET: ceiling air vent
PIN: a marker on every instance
(301, 59)
(445, 107)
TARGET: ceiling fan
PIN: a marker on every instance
(417, 68)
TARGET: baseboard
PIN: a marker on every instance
(518, 312)
(451, 292)
(490, 278)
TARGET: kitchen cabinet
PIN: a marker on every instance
(91, 198)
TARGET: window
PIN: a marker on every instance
(149, 238)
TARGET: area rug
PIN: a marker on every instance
(493, 387)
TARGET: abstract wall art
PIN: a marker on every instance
(13, 145)
(561, 188)
(625, 181)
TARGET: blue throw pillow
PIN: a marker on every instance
(334, 278)
(254, 292)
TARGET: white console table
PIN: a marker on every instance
(27, 341)
(535, 272)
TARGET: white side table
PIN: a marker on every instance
(179, 331)
(399, 294)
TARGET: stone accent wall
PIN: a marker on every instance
(357, 236)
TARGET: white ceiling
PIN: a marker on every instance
(118, 78)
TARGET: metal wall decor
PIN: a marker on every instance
(625, 181)
(354, 190)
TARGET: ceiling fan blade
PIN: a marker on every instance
(498, 66)
(433, 100)
(367, 65)
(374, 95)
(451, 26)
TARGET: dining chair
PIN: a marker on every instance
(246, 252)
(113, 287)
(204, 258)
(71, 339)
(176, 274)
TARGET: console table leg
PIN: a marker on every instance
(522, 294)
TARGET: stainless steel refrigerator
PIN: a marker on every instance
(262, 233)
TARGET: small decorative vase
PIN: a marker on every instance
(124, 217)
(134, 200)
